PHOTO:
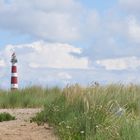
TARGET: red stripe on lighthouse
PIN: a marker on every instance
(14, 80)
(14, 69)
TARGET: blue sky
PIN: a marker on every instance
(59, 42)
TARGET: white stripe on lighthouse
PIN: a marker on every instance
(14, 74)
(14, 85)
(14, 64)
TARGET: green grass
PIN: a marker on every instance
(83, 113)
(6, 117)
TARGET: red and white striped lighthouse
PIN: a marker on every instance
(14, 76)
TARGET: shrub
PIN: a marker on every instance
(6, 117)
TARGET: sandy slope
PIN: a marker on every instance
(22, 129)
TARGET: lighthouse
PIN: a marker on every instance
(14, 76)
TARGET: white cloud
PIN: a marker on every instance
(120, 63)
(50, 55)
(44, 19)
(134, 30)
(60, 21)
(130, 4)
(64, 75)
(92, 23)
(34, 65)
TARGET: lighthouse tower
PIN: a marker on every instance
(14, 76)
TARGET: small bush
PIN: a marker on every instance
(6, 117)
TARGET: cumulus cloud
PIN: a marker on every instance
(49, 55)
(50, 20)
(120, 63)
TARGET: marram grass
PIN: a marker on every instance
(30, 97)
(94, 113)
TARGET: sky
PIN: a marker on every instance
(60, 42)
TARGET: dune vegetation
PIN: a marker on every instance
(95, 112)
